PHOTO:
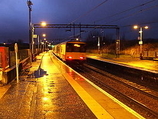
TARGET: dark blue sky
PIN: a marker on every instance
(124, 13)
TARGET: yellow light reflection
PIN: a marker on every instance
(145, 65)
(70, 72)
(45, 98)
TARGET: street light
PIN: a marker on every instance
(29, 3)
(44, 40)
(43, 23)
(44, 35)
(98, 44)
(140, 37)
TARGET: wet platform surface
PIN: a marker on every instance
(53, 91)
(43, 96)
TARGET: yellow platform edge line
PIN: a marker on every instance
(115, 100)
(93, 105)
(110, 96)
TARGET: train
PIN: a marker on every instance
(71, 52)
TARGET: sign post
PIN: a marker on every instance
(17, 61)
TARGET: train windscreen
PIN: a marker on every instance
(75, 47)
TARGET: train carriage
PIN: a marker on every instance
(73, 52)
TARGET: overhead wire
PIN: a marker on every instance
(88, 12)
(143, 4)
(132, 13)
(126, 10)
(135, 13)
(85, 14)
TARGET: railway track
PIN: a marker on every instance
(141, 76)
(141, 99)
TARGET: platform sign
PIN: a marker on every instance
(17, 61)
(35, 36)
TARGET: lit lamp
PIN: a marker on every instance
(77, 39)
(140, 38)
(44, 35)
(43, 24)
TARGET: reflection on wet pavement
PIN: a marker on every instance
(45, 95)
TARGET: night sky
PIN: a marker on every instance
(124, 13)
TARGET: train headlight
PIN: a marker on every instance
(81, 57)
(69, 57)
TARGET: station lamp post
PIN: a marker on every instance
(29, 3)
(98, 45)
(43, 24)
(140, 38)
(44, 41)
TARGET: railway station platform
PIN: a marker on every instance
(131, 61)
(52, 90)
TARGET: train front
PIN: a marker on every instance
(75, 53)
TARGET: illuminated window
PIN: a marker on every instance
(71, 47)
(76, 45)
